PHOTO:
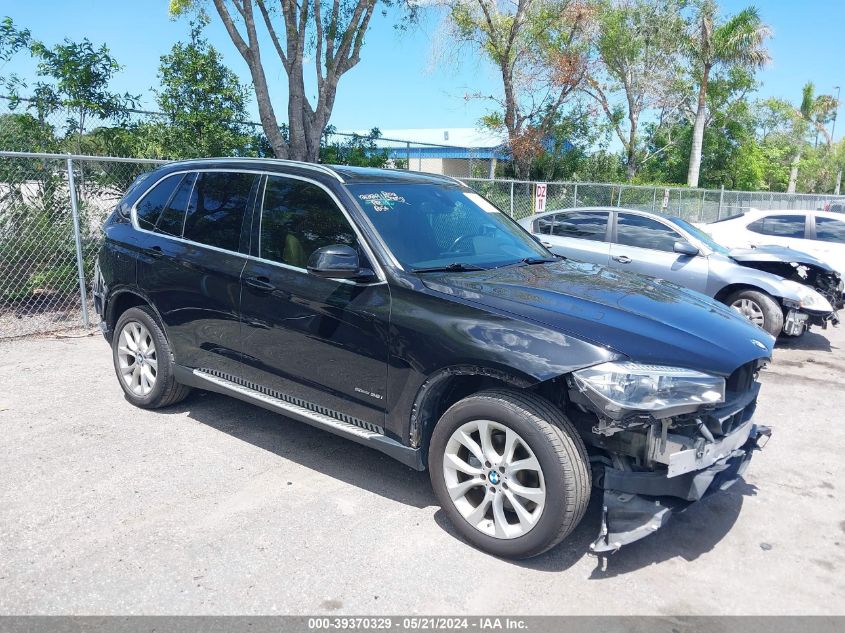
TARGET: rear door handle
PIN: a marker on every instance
(622, 259)
(154, 251)
(260, 283)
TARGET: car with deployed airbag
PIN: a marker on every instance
(406, 313)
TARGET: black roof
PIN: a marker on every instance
(345, 173)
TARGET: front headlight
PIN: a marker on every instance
(618, 387)
(808, 298)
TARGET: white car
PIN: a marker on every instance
(819, 233)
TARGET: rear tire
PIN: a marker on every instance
(759, 308)
(143, 361)
(533, 486)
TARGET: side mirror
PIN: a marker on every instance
(338, 261)
(685, 248)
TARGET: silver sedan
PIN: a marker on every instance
(781, 290)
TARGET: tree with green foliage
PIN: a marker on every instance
(329, 36)
(539, 49)
(12, 40)
(357, 149)
(637, 48)
(713, 43)
(783, 138)
(78, 77)
(203, 101)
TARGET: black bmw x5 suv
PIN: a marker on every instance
(407, 313)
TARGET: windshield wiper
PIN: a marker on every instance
(454, 267)
(541, 260)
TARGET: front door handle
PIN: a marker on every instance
(622, 259)
(260, 283)
(154, 251)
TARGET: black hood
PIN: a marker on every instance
(645, 319)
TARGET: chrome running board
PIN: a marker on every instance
(336, 422)
(362, 429)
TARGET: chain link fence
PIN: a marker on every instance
(52, 207)
(695, 205)
(51, 211)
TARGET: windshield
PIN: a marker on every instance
(434, 225)
(701, 236)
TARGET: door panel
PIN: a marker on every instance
(779, 230)
(829, 242)
(644, 245)
(579, 235)
(324, 341)
(196, 287)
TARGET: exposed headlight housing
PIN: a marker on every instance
(618, 388)
(808, 298)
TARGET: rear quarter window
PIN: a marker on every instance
(153, 202)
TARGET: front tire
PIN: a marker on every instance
(510, 472)
(759, 308)
(143, 361)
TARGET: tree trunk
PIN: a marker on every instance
(698, 131)
(793, 172)
(631, 150)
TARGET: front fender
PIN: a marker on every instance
(767, 282)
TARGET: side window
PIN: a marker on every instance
(830, 230)
(172, 219)
(297, 218)
(779, 225)
(586, 226)
(543, 225)
(217, 209)
(154, 201)
(636, 230)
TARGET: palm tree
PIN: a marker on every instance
(737, 41)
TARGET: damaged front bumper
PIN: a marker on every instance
(637, 504)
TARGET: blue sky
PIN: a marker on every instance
(397, 85)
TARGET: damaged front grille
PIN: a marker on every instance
(740, 401)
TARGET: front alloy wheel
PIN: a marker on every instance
(750, 310)
(759, 308)
(494, 479)
(510, 472)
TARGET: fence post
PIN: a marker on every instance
(511, 198)
(80, 262)
(721, 199)
(408, 150)
(575, 195)
(654, 200)
(619, 197)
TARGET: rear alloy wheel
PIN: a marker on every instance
(143, 361)
(136, 356)
(759, 308)
(510, 472)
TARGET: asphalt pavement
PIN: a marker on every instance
(218, 507)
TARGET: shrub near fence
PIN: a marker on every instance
(51, 211)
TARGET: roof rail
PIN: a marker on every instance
(279, 161)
